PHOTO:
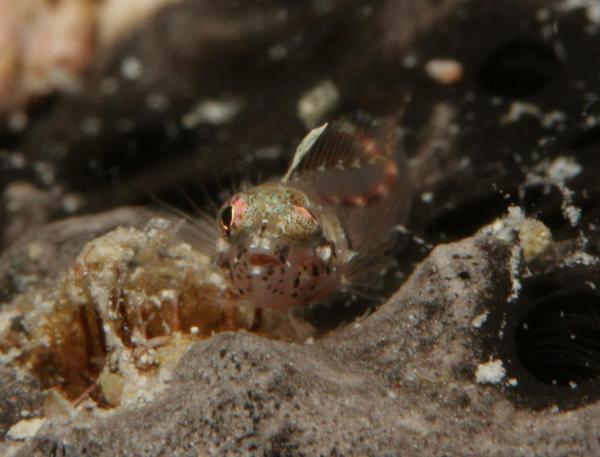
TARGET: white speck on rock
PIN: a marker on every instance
(132, 68)
(479, 320)
(24, 429)
(518, 109)
(562, 169)
(553, 118)
(516, 254)
(212, 111)
(427, 197)
(581, 258)
(444, 71)
(556, 173)
(71, 203)
(317, 102)
(491, 372)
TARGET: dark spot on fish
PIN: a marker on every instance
(280, 281)
(294, 294)
(248, 277)
(315, 270)
(264, 278)
(241, 291)
(328, 270)
(282, 270)
(283, 254)
(296, 282)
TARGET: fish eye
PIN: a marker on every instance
(226, 218)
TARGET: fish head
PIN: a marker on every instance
(274, 249)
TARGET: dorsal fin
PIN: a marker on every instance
(341, 144)
(358, 169)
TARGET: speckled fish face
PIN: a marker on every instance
(273, 249)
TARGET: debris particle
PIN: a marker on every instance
(71, 202)
(515, 271)
(562, 169)
(556, 173)
(427, 197)
(491, 372)
(444, 71)
(317, 102)
(518, 109)
(131, 68)
(26, 428)
(479, 320)
(553, 119)
(35, 250)
(582, 258)
(534, 238)
(214, 112)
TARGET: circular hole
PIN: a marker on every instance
(558, 341)
(518, 69)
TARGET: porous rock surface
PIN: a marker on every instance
(399, 382)
(442, 368)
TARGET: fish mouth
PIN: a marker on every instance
(262, 260)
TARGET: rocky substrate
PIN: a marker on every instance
(488, 340)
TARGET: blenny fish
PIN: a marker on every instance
(325, 226)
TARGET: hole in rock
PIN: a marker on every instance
(518, 69)
(558, 341)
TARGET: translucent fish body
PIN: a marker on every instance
(324, 227)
